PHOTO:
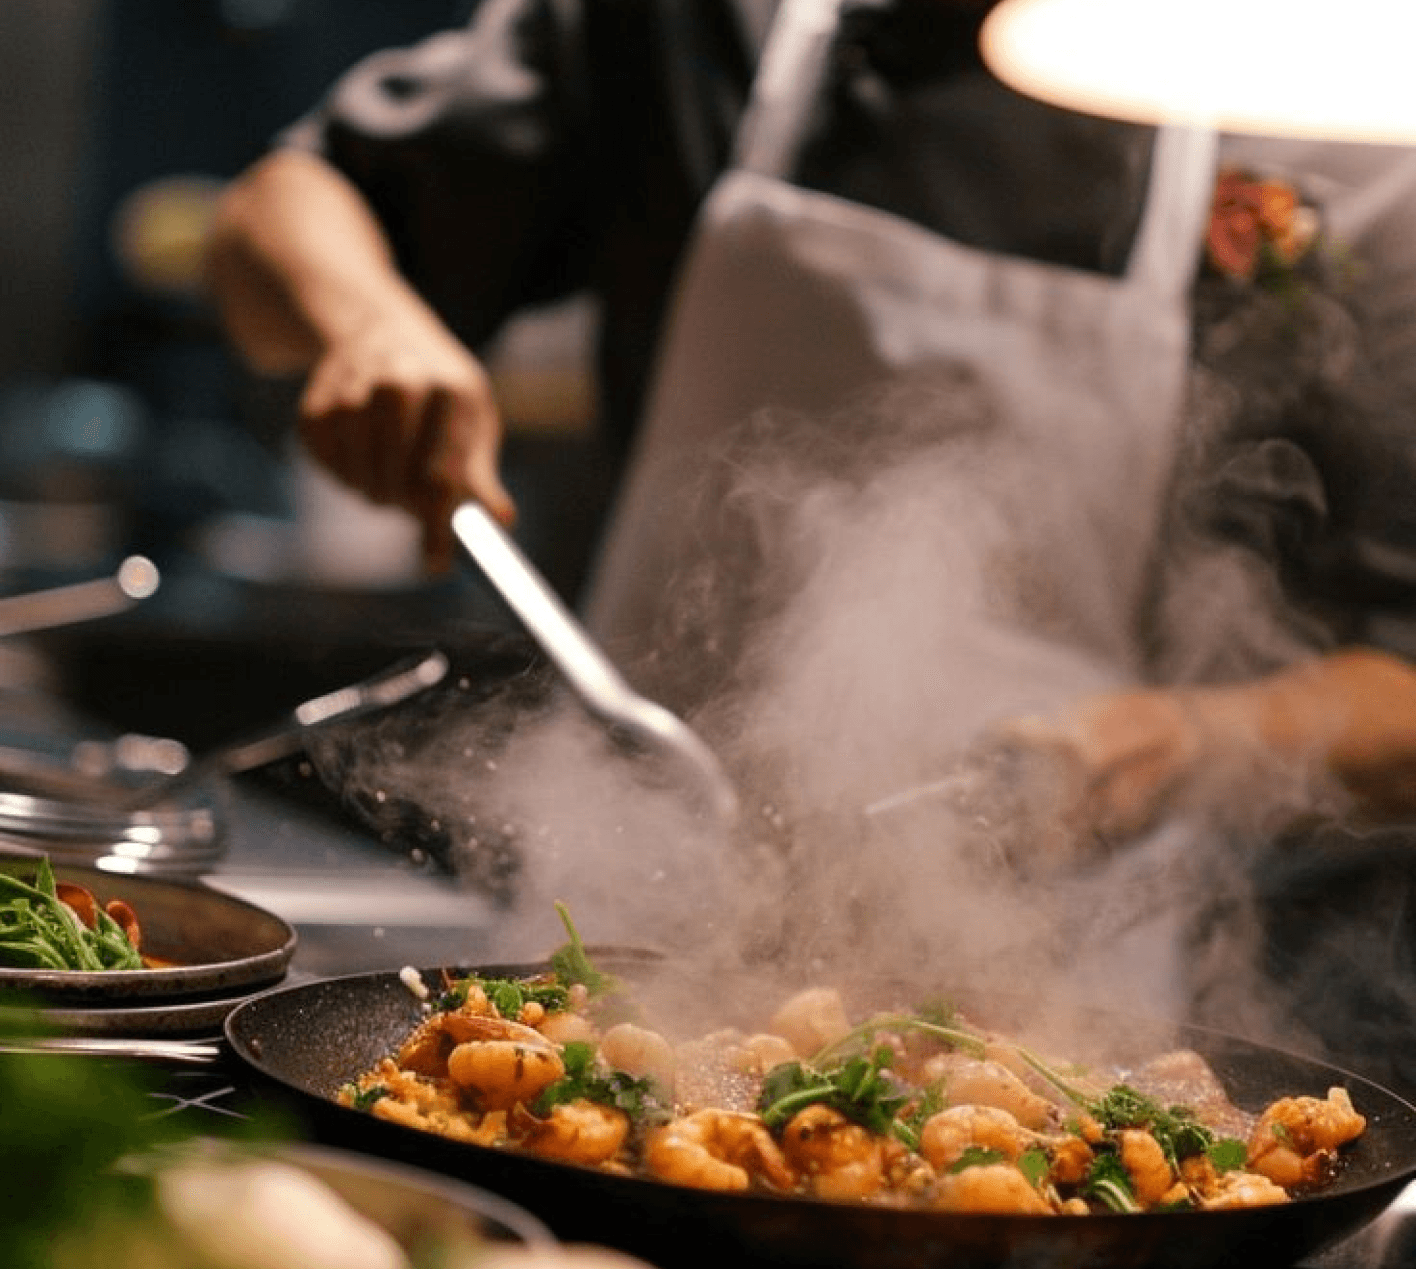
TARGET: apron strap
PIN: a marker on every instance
(792, 71)
(789, 77)
(1166, 251)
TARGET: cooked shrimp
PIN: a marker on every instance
(1069, 1160)
(717, 1150)
(1152, 1177)
(947, 1135)
(566, 1026)
(839, 1159)
(990, 1083)
(426, 1049)
(508, 1064)
(638, 1051)
(811, 1020)
(1296, 1139)
(994, 1188)
(760, 1052)
(1243, 1189)
(574, 1132)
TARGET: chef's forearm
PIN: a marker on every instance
(1349, 717)
(296, 261)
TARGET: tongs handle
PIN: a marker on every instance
(589, 672)
(380, 691)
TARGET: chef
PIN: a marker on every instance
(783, 208)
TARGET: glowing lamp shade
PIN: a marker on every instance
(1339, 69)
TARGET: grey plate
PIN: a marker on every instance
(222, 946)
(419, 1209)
(188, 1018)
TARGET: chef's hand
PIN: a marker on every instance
(394, 404)
(1120, 762)
(401, 411)
(1330, 737)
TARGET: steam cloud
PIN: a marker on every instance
(860, 618)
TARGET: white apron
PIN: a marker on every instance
(794, 300)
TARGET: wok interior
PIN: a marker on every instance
(312, 1038)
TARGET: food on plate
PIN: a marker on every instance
(917, 1107)
(46, 924)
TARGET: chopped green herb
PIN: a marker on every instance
(510, 996)
(364, 1098)
(1228, 1154)
(862, 1089)
(1034, 1164)
(572, 964)
(1108, 1182)
(910, 1122)
(1179, 1133)
(977, 1157)
(586, 1079)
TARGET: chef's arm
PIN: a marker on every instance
(1335, 735)
(1349, 717)
(394, 404)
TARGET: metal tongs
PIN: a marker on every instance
(628, 716)
(378, 692)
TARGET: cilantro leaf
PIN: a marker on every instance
(572, 964)
(862, 1089)
(1228, 1154)
(586, 1080)
(1108, 1182)
(1176, 1129)
(977, 1157)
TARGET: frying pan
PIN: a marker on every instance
(302, 1042)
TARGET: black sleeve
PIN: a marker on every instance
(466, 147)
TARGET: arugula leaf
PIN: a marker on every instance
(39, 931)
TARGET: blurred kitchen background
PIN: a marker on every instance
(126, 427)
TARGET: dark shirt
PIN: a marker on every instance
(559, 147)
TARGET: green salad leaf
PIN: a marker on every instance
(38, 930)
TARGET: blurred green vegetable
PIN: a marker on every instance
(38, 930)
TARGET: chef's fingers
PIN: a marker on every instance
(468, 459)
(381, 443)
(460, 446)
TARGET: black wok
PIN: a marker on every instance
(304, 1041)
